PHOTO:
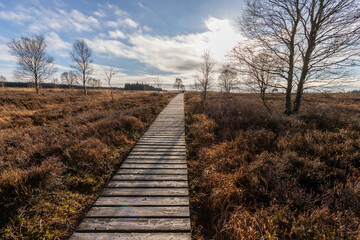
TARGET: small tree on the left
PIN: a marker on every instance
(33, 62)
(2, 81)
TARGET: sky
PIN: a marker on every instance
(141, 39)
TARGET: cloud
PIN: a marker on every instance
(146, 28)
(100, 13)
(120, 23)
(41, 19)
(57, 45)
(12, 16)
(180, 54)
(111, 48)
(141, 5)
(116, 10)
(5, 53)
(131, 23)
(116, 34)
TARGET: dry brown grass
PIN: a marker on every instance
(58, 149)
(261, 175)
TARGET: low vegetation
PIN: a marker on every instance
(58, 149)
(256, 174)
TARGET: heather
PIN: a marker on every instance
(259, 174)
(57, 151)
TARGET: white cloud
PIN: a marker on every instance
(12, 16)
(106, 47)
(128, 23)
(57, 45)
(116, 34)
(146, 28)
(141, 5)
(117, 11)
(112, 24)
(5, 53)
(100, 13)
(179, 54)
(42, 19)
(131, 23)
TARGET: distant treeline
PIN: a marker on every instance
(354, 91)
(140, 87)
(128, 86)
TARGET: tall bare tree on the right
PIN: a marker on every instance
(314, 40)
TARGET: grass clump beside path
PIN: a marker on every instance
(261, 175)
(57, 150)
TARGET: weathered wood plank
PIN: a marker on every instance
(158, 145)
(142, 201)
(143, 192)
(150, 177)
(131, 236)
(146, 184)
(154, 165)
(159, 148)
(156, 157)
(161, 154)
(148, 151)
(158, 161)
(153, 171)
(135, 224)
(130, 211)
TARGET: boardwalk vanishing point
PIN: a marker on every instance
(148, 197)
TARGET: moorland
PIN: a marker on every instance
(57, 151)
(259, 174)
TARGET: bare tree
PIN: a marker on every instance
(228, 79)
(178, 83)
(182, 87)
(108, 76)
(2, 81)
(205, 76)
(314, 40)
(257, 66)
(330, 42)
(54, 82)
(275, 23)
(158, 83)
(70, 78)
(93, 82)
(81, 56)
(33, 62)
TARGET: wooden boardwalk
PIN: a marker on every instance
(148, 196)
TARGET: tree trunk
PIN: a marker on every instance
(111, 93)
(305, 69)
(84, 84)
(288, 107)
(37, 87)
(288, 103)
